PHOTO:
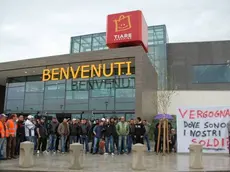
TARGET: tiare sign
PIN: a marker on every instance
(86, 71)
(127, 29)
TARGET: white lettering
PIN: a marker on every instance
(125, 36)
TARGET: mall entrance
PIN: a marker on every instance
(92, 115)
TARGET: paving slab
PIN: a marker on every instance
(118, 163)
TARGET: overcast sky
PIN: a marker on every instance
(36, 28)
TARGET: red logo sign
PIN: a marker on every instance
(127, 29)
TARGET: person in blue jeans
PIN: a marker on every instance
(63, 131)
(146, 135)
(98, 133)
(52, 130)
(74, 132)
(109, 133)
(122, 129)
(130, 138)
(84, 135)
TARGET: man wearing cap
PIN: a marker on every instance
(3, 136)
(30, 130)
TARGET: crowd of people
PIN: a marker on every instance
(107, 136)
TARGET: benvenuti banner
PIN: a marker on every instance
(206, 126)
(86, 71)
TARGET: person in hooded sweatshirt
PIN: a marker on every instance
(139, 131)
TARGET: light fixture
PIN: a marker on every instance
(25, 71)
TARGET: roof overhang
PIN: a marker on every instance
(35, 66)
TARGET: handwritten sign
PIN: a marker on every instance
(206, 126)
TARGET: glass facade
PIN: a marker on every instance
(157, 40)
(211, 73)
(103, 96)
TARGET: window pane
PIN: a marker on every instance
(76, 106)
(54, 104)
(55, 91)
(125, 106)
(102, 92)
(86, 43)
(14, 105)
(33, 107)
(125, 95)
(35, 86)
(34, 98)
(211, 73)
(16, 93)
(77, 95)
(101, 104)
(16, 84)
(99, 42)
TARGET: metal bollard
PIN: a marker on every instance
(138, 157)
(195, 156)
(75, 158)
(26, 158)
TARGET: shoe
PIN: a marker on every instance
(45, 152)
(38, 152)
(63, 152)
(54, 152)
(9, 157)
(14, 157)
(112, 154)
(105, 153)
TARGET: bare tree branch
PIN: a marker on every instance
(165, 94)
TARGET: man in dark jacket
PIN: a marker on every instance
(139, 131)
(109, 133)
(20, 133)
(84, 134)
(42, 135)
(74, 132)
(131, 139)
(52, 130)
(98, 133)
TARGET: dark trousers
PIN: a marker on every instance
(42, 143)
(11, 145)
(139, 139)
(155, 147)
(19, 140)
(57, 142)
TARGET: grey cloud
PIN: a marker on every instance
(30, 29)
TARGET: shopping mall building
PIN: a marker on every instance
(93, 81)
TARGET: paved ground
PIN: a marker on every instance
(121, 163)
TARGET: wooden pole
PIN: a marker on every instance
(158, 137)
(164, 130)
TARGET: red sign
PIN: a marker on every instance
(127, 29)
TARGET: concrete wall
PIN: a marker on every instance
(146, 87)
(2, 98)
(181, 57)
(198, 99)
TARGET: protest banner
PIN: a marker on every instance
(206, 126)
